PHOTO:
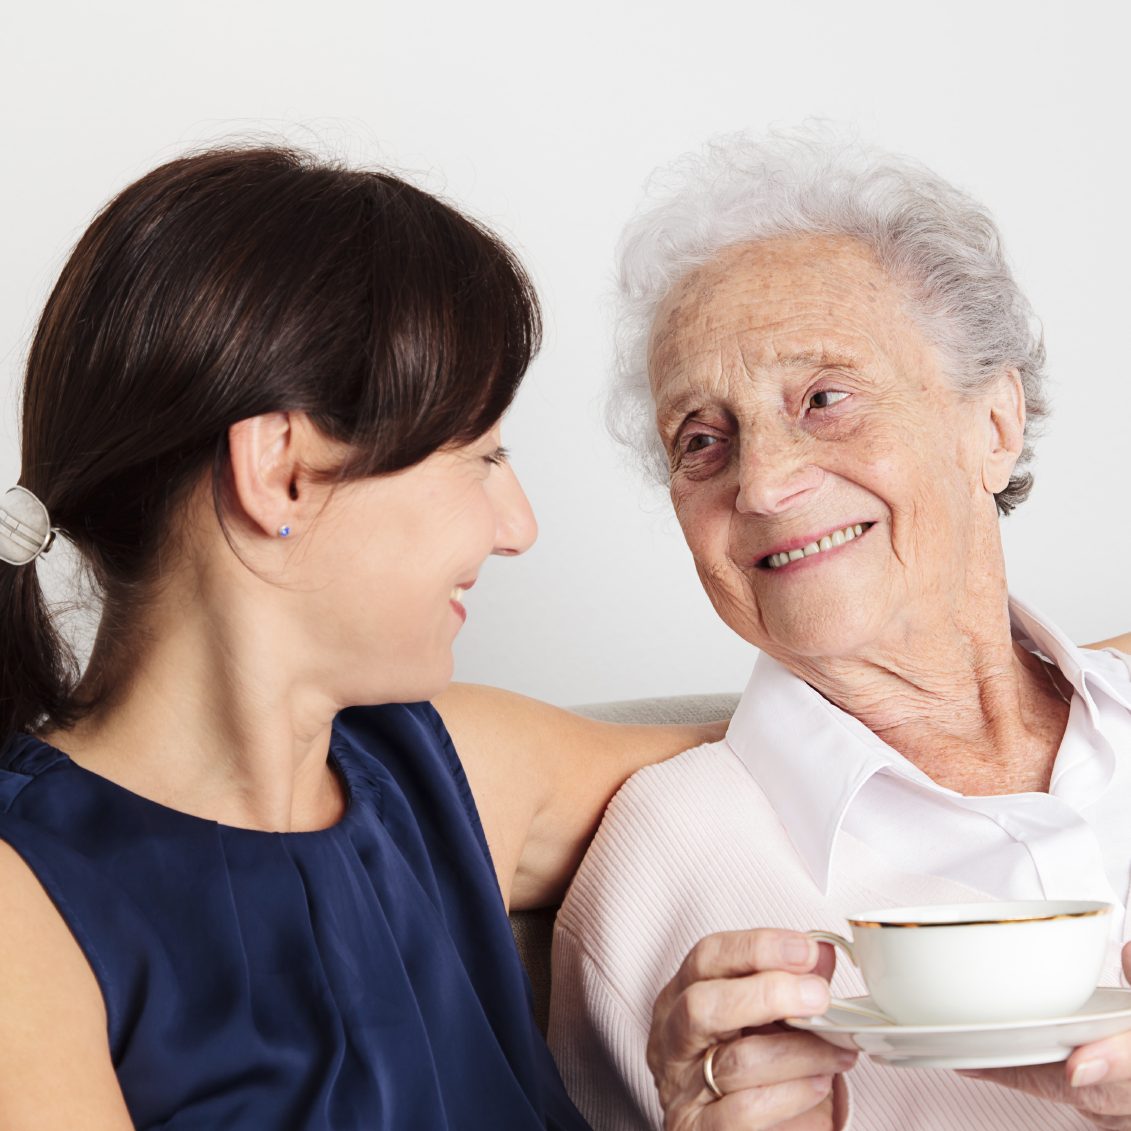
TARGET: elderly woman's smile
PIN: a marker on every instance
(819, 544)
(835, 488)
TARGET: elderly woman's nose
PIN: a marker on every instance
(775, 475)
(515, 525)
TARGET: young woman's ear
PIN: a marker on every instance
(265, 470)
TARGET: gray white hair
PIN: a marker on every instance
(931, 238)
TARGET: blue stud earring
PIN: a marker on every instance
(284, 531)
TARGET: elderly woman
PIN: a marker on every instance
(844, 377)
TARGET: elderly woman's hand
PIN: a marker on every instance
(727, 996)
(1095, 1080)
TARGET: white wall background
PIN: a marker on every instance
(544, 120)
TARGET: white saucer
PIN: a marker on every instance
(1002, 1045)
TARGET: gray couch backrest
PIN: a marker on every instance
(534, 930)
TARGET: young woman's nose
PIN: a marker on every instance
(516, 527)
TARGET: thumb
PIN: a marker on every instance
(826, 962)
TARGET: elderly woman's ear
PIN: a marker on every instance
(1005, 423)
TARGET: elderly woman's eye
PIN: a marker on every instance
(826, 398)
(699, 441)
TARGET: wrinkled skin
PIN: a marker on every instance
(794, 395)
(731, 990)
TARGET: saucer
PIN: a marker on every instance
(995, 1045)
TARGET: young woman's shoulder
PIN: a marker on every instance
(55, 1068)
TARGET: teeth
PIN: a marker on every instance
(457, 593)
(828, 542)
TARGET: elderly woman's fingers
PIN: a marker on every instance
(757, 1109)
(728, 985)
(1107, 1061)
(686, 1026)
(730, 954)
(819, 1118)
(707, 1012)
(754, 1061)
(713, 994)
(1045, 1081)
(1105, 1099)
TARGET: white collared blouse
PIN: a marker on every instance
(825, 772)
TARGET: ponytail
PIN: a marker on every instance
(37, 667)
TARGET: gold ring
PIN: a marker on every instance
(709, 1072)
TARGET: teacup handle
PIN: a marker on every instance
(841, 943)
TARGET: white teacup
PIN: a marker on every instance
(973, 963)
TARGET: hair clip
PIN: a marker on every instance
(25, 527)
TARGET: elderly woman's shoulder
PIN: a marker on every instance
(1119, 643)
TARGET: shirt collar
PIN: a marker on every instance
(811, 758)
(1092, 674)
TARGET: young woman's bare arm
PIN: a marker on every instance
(55, 1068)
(542, 778)
(1120, 643)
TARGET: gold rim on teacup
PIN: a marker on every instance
(1090, 909)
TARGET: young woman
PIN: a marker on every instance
(263, 403)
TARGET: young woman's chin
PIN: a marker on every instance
(417, 686)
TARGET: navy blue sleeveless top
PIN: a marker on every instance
(356, 978)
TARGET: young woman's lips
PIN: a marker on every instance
(456, 599)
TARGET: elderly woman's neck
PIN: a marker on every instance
(957, 698)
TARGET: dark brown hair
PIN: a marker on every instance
(221, 286)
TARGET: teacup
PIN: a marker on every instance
(975, 963)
